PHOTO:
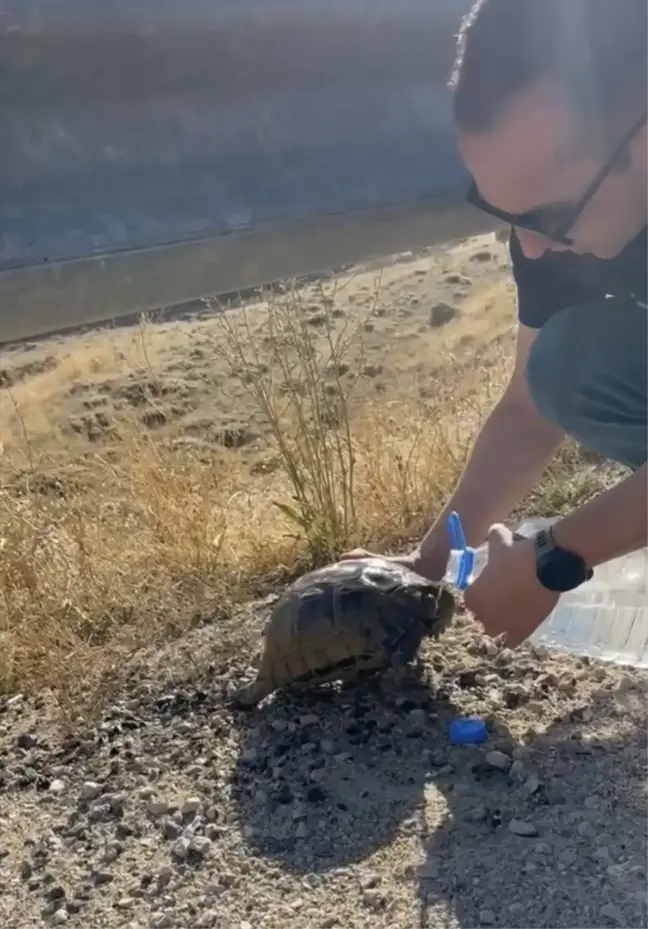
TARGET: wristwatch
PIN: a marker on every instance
(557, 568)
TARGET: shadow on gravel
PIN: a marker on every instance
(583, 787)
(324, 782)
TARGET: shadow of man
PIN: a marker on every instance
(576, 797)
(323, 782)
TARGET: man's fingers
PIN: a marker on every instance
(355, 553)
(499, 537)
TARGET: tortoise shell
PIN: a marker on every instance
(344, 620)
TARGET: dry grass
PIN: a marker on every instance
(114, 542)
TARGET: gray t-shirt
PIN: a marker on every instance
(557, 280)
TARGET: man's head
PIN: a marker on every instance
(550, 98)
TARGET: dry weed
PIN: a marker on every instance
(135, 541)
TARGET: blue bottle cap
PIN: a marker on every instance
(468, 731)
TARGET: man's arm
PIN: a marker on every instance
(611, 524)
(508, 458)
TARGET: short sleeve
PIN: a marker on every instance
(541, 289)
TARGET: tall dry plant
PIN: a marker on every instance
(297, 369)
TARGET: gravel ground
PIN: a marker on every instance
(349, 809)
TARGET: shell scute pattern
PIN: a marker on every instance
(345, 620)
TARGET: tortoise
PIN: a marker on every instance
(345, 621)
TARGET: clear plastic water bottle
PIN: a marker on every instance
(605, 618)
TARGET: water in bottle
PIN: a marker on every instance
(605, 618)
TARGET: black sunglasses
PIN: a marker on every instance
(554, 222)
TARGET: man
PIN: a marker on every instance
(550, 111)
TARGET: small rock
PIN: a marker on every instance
(112, 851)
(369, 880)
(477, 814)
(327, 746)
(56, 892)
(309, 719)
(99, 811)
(602, 855)
(89, 791)
(612, 912)
(59, 917)
(146, 793)
(517, 770)
(441, 313)
(498, 760)
(171, 829)
(200, 844)
(26, 869)
(249, 755)
(302, 830)
(486, 918)
(57, 786)
(181, 848)
(157, 808)
(102, 877)
(586, 830)
(516, 695)
(162, 921)
(163, 877)
(373, 899)
(532, 785)
(26, 740)
(536, 706)
(191, 806)
(444, 770)
(522, 827)
(207, 920)
(567, 858)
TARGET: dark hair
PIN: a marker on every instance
(594, 50)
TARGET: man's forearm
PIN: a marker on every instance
(509, 456)
(611, 524)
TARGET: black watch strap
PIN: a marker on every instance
(544, 542)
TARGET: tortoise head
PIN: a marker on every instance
(440, 605)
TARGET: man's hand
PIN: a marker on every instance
(411, 560)
(507, 597)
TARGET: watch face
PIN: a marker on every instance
(561, 571)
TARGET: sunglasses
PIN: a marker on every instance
(554, 222)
